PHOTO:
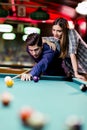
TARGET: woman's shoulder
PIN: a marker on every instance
(73, 33)
(70, 31)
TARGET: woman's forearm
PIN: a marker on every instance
(51, 44)
(74, 63)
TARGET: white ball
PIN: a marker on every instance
(73, 121)
(36, 119)
(7, 78)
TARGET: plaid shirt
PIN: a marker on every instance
(78, 47)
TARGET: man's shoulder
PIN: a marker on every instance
(46, 46)
(47, 49)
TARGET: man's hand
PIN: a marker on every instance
(26, 77)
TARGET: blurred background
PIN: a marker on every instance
(22, 17)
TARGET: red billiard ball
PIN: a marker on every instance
(25, 113)
(35, 78)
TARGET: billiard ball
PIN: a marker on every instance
(7, 78)
(74, 123)
(25, 113)
(6, 98)
(37, 120)
(35, 79)
(9, 83)
(83, 87)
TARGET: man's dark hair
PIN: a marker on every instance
(34, 39)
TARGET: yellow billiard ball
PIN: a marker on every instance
(9, 83)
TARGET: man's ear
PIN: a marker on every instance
(27, 49)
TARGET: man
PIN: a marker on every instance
(47, 62)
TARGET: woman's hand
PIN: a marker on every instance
(26, 77)
(80, 77)
(51, 44)
(44, 40)
(75, 67)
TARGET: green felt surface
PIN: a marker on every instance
(53, 96)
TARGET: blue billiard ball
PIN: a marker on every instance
(35, 79)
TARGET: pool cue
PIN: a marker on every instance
(20, 74)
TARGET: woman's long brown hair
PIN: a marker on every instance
(63, 23)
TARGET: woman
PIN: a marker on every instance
(73, 48)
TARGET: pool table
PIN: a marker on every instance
(54, 96)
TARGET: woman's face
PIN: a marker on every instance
(57, 31)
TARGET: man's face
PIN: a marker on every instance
(35, 50)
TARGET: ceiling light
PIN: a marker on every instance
(29, 30)
(8, 36)
(39, 14)
(6, 28)
(82, 8)
(24, 37)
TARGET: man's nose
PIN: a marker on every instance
(33, 52)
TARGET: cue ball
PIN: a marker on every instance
(37, 120)
(35, 79)
(83, 87)
(7, 78)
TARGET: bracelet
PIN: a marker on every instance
(75, 71)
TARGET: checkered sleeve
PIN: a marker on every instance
(53, 40)
(73, 42)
